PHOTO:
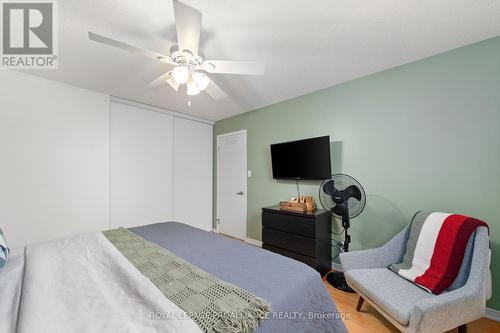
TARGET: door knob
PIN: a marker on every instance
(241, 193)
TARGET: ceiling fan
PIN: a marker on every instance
(190, 67)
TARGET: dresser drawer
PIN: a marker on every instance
(290, 242)
(289, 223)
(299, 257)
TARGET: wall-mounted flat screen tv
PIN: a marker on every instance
(303, 159)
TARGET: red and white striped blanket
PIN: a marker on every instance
(435, 250)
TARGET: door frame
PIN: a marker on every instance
(217, 208)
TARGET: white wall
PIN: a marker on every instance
(56, 176)
(54, 159)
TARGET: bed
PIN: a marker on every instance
(100, 298)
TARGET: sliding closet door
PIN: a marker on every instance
(141, 166)
(193, 173)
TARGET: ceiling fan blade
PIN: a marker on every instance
(233, 67)
(130, 48)
(215, 91)
(188, 26)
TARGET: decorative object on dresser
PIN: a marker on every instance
(301, 204)
(303, 236)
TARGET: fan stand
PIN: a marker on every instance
(337, 279)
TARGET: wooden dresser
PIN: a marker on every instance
(305, 237)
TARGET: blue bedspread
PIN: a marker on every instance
(294, 290)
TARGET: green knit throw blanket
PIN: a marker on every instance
(215, 305)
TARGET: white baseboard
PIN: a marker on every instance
(247, 239)
(492, 314)
(253, 242)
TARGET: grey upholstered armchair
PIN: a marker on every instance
(410, 308)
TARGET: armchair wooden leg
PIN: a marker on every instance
(360, 303)
(462, 328)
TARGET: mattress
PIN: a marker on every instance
(299, 300)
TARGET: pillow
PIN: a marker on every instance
(4, 250)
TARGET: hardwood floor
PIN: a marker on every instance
(368, 320)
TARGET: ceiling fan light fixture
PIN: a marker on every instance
(201, 80)
(180, 74)
(186, 57)
(192, 89)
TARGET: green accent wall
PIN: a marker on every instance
(425, 135)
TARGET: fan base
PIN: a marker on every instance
(337, 280)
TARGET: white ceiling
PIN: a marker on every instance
(307, 45)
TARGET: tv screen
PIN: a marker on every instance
(303, 159)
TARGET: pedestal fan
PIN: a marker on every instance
(345, 198)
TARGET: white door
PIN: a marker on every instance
(232, 184)
(193, 175)
(141, 166)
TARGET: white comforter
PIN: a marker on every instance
(84, 284)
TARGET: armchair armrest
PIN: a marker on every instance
(380, 257)
(452, 309)
(446, 311)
